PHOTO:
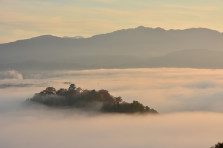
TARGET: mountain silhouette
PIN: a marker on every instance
(127, 48)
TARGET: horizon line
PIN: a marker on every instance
(124, 29)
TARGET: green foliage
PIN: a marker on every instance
(100, 100)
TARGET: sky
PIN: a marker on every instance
(21, 19)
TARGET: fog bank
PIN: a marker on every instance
(51, 130)
(189, 102)
(165, 89)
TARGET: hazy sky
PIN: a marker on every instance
(26, 18)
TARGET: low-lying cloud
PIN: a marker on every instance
(189, 102)
(14, 85)
(202, 85)
(11, 74)
(55, 129)
(165, 89)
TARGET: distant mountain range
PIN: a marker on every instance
(127, 48)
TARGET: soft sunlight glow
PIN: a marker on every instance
(28, 18)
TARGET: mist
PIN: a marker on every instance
(50, 130)
(188, 100)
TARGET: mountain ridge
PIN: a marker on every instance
(120, 30)
(126, 48)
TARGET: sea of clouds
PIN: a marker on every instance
(189, 101)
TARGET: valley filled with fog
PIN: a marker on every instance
(189, 102)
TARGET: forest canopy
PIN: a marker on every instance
(75, 97)
(218, 145)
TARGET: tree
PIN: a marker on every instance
(61, 92)
(76, 97)
(79, 90)
(118, 100)
(72, 90)
(49, 91)
(72, 87)
(218, 145)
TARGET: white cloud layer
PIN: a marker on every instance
(53, 129)
(168, 90)
(189, 100)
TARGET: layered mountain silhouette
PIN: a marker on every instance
(127, 48)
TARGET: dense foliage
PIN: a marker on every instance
(100, 100)
(219, 145)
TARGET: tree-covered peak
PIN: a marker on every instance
(76, 97)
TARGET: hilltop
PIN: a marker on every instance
(92, 100)
(146, 47)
